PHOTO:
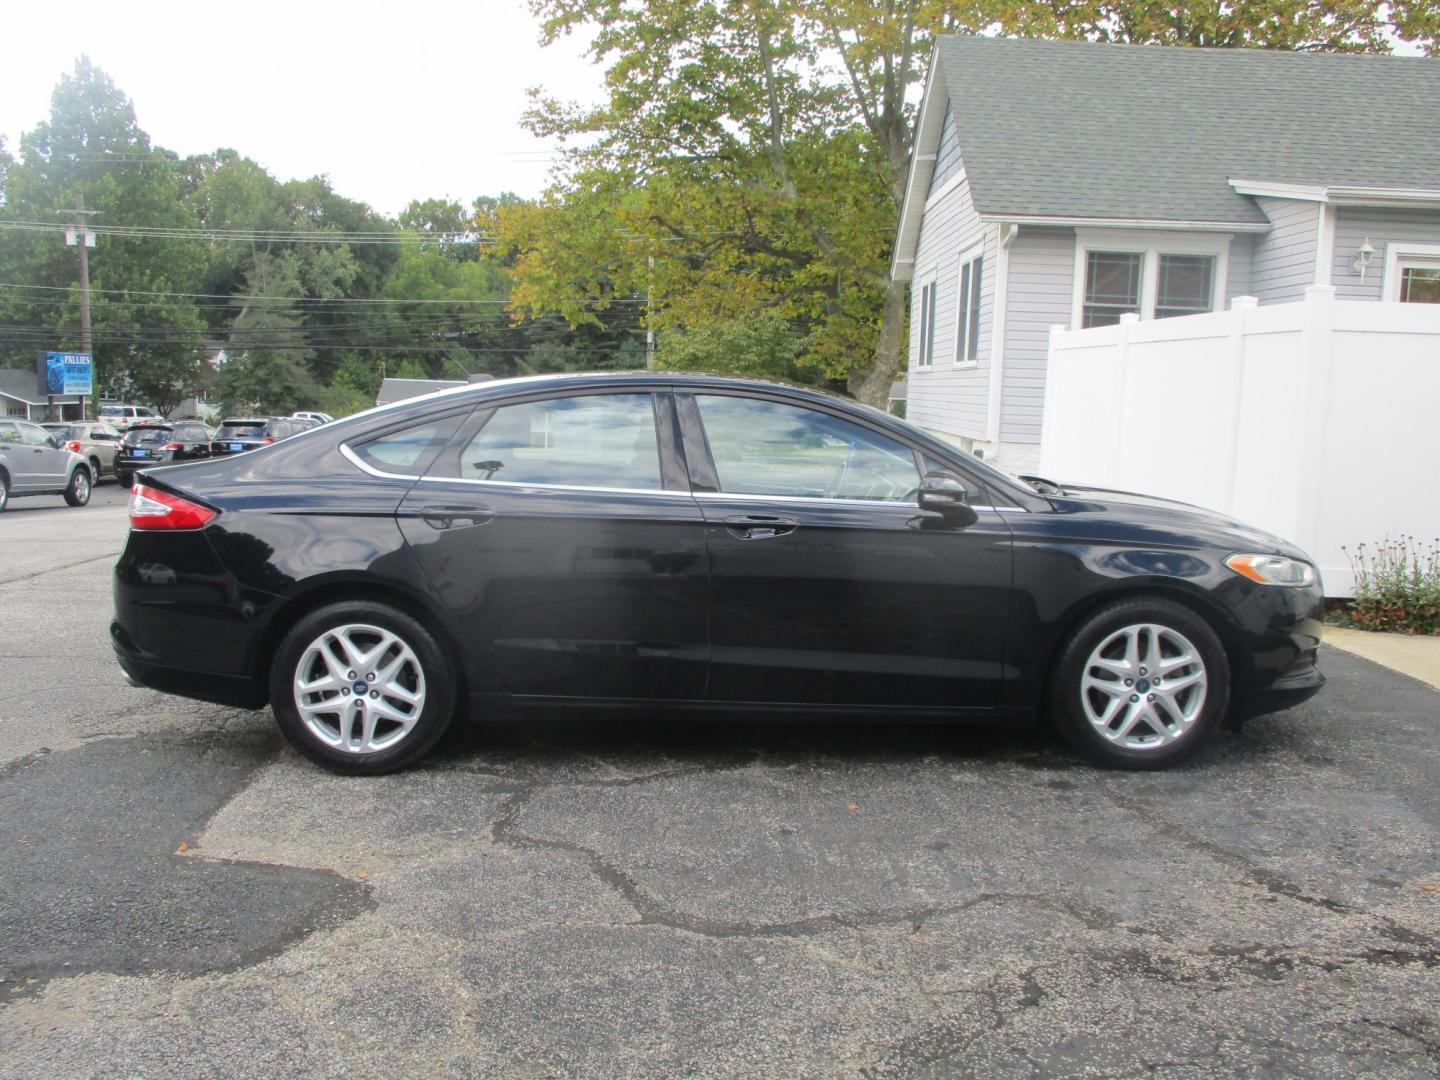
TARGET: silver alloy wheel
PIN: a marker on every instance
(359, 688)
(81, 486)
(1144, 686)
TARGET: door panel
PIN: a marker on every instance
(51, 467)
(840, 599)
(580, 590)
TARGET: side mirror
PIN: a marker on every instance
(944, 493)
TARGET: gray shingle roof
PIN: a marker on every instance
(22, 385)
(1076, 129)
(400, 389)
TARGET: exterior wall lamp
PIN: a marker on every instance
(1363, 255)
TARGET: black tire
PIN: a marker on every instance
(124, 479)
(440, 681)
(77, 492)
(95, 469)
(4, 490)
(1068, 706)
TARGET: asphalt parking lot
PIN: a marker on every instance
(181, 895)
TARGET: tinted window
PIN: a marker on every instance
(768, 448)
(242, 429)
(601, 440)
(114, 410)
(409, 451)
(147, 436)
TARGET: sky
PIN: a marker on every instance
(393, 100)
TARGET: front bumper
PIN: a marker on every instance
(1300, 682)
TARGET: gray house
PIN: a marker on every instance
(1068, 183)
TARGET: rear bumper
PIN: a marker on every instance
(142, 669)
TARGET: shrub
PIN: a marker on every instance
(1397, 586)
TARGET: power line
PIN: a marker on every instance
(237, 298)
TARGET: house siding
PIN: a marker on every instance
(946, 400)
(947, 154)
(1239, 273)
(1355, 225)
(1284, 261)
(1042, 280)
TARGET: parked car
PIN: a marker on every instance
(160, 443)
(317, 417)
(34, 462)
(96, 443)
(121, 417)
(241, 433)
(661, 539)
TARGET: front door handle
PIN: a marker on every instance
(759, 526)
(451, 517)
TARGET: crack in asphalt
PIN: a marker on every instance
(57, 569)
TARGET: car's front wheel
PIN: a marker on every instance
(1141, 684)
(4, 490)
(361, 687)
(77, 493)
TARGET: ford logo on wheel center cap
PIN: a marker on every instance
(359, 687)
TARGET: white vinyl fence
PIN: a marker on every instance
(1318, 420)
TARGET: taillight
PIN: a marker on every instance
(73, 445)
(173, 446)
(269, 441)
(151, 508)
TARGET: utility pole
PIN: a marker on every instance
(84, 239)
(650, 313)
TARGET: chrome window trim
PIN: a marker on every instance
(365, 467)
(547, 487)
(820, 499)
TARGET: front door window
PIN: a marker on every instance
(767, 448)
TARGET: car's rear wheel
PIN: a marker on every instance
(4, 490)
(124, 479)
(1141, 684)
(361, 687)
(78, 491)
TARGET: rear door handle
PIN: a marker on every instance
(452, 517)
(759, 526)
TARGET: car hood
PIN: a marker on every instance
(1171, 521)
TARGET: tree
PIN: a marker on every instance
(92, 150)
(756, 150)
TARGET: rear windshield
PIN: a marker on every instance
(147, 436)
(241, 429)
(114, 410)
(61, 432)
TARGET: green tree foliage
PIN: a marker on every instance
(91, 151)
(755, 151)
(764, 345)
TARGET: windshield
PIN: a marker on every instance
(147, 436)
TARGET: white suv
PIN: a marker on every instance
(122, 416)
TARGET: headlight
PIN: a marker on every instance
(1272, 569)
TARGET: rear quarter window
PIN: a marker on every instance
(410, 450)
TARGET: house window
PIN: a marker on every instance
(1185, 286)
(967, 309)
(926, 354)
(1112, 286)
(1155, 274)
(1420, 284)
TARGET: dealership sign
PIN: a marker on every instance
(66, 373)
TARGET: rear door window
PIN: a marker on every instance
(591, 441)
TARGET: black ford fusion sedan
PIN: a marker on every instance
(651, 539)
